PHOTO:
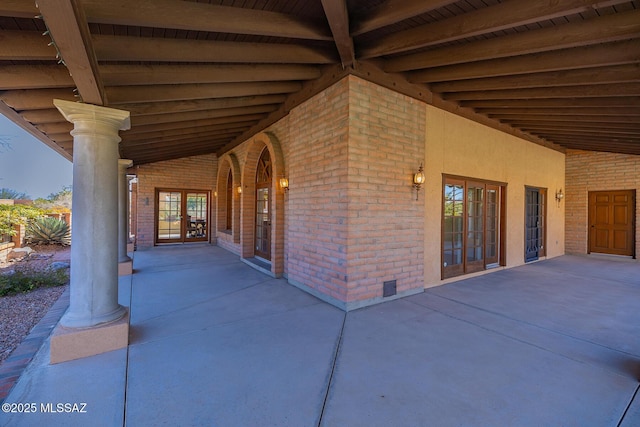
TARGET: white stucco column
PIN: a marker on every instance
(124, 261)
(94, 244)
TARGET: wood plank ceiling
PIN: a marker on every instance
(202, 76)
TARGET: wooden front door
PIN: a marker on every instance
(611, 222)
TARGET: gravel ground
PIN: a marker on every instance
(20, 313)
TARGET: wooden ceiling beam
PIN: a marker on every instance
(338, 17)
(18, 9)
(51, 115)
(34, 77)
(36, 99)
(606, 54)
(153, 158)
(172, 141)
(68, 27)
(168, 107)
(155, 74)
(51, 128)
(490, 19)
(575, 119)
(604, 90)
(154, 127)
(602, 29)
(562, 111)
(192, 16)
(577, 126)
(147, 49)
(149, 137)
(189, 125)
(392, 11)
(606, 101)
(199, 115)
(157, 93)
(25, 46)
(585, 76)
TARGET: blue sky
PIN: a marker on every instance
(29, 166)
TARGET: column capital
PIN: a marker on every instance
(77, 112)
(124, 164)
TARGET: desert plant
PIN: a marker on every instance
(48, 231)
(11, 215)
(25, 279)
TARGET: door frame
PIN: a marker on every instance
(183, 222)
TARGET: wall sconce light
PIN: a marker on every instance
(284, 183)
(215, 194)
(559, 196)
(239, 189)
(418, 179)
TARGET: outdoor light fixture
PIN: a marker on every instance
(239, 189)
(215, 194)
(418, 179)
(284, 183)
(559, 196)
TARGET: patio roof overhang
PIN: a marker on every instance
(200, 77)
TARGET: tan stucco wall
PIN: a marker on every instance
(458, 146)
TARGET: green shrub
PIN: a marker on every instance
(11, 215)
(24, 280)
(48, 231)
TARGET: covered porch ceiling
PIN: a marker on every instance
(203, 76)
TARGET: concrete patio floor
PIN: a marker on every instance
(217, 343)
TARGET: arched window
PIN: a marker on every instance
(229, 201)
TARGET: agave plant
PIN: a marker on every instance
(48, 231)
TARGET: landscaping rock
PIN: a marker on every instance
(19, 253)
(59, 265)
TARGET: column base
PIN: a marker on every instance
(71, 343)
(130, 247)
(125, 268)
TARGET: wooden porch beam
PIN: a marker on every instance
(604, 90)
(490, 19)
(36, 99)
(602, 29)
(195, 16)
(150, 137)
(392, 11)
(561, 111)
(146, 49)
(34, 77)
(131, 74)
(338, 17)
(585, 76)
(615, 53)
(18, 9)
(198, 115)
(606, 101)
(25, 46)
(157, 93)
(154, 127)
(169, 107)
(68, 27)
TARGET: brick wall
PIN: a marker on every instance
(385, 221)
(595, 171)
(190, 173)
(317, 208)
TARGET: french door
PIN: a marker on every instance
(181, 216)
(535, 208)
(471, 226)
(263, 206)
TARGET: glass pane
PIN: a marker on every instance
(169, 215)
(196, 215)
